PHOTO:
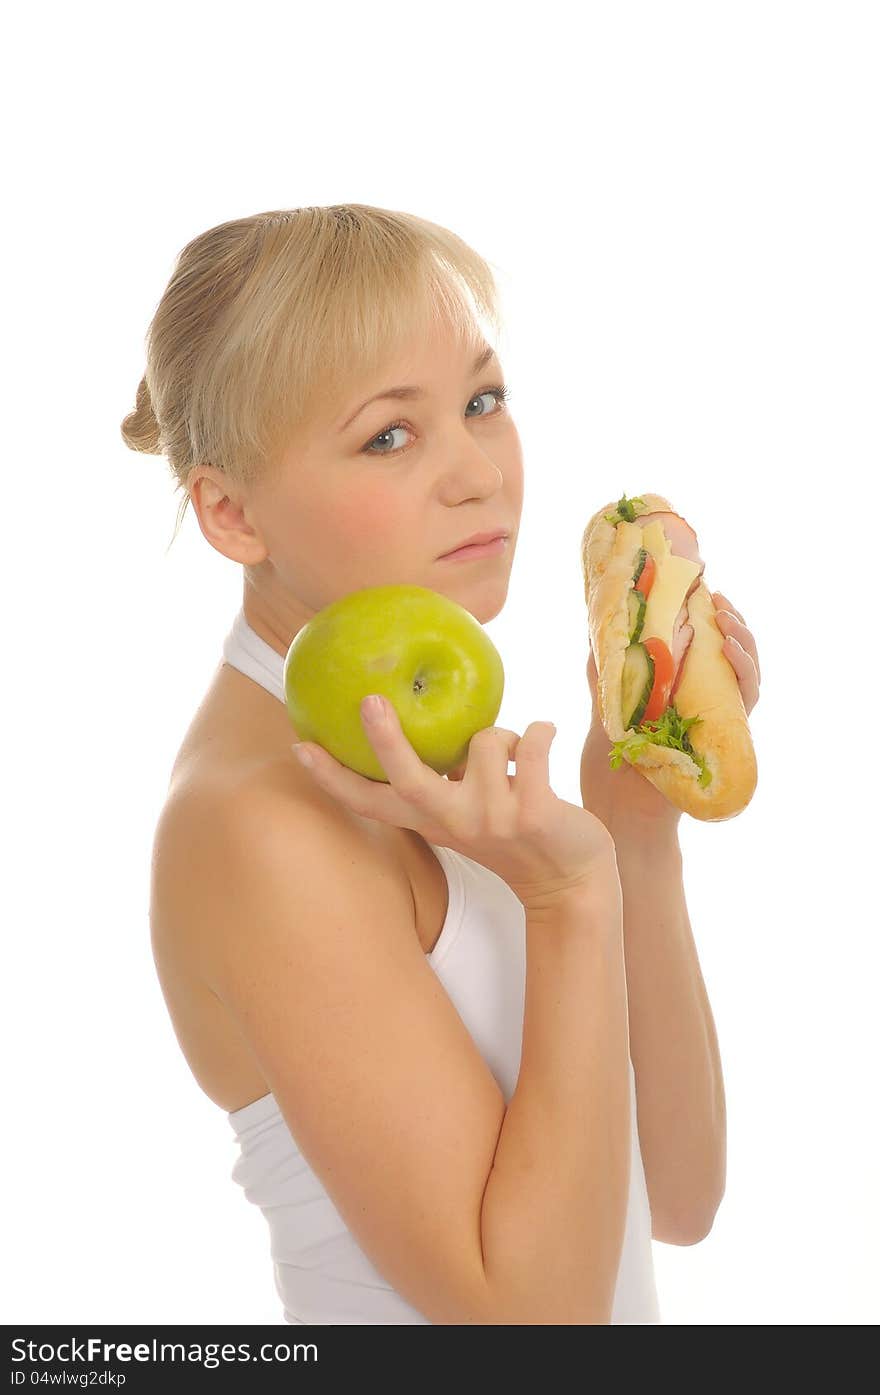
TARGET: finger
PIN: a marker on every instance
(533, 762)
(489, 753)
(373, 799)
(416, 783)
(732, 628)
(722, 603)
(745, 669)
(403, 801)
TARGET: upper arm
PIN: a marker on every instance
(313, 951)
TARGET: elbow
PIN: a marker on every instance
(688, 1216)
(684, 1230)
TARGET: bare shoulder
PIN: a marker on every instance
(264, 807)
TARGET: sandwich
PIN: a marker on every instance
(669, 700)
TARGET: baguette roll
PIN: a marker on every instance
(707, 768)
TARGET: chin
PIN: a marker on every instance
(484, 616)
(483, 599)
(484, 608)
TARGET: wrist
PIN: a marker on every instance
(627, 824)
(599, 889)
(649, 843)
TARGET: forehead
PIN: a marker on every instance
(431, 345)
(419, 361)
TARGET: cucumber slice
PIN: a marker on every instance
(638, 680)
(641, 559)
(637, 605)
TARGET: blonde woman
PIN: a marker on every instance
(408, 997)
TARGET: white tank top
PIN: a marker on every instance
(321, 1273)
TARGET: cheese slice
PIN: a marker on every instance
(673, 579)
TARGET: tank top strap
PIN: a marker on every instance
(247, 651)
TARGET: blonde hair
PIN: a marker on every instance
(263, 316)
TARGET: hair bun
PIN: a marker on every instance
(140, 429)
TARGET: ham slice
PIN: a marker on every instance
(682, 538)
(682, 634)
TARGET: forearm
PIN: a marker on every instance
(554, 1208)
(673, 1043)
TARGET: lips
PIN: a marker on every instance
(476, 539)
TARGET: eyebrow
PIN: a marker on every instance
(412, 392)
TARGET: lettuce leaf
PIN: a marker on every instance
(669, 730)
(626, 510)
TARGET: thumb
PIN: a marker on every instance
(593, 675)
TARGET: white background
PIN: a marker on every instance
(681, 201)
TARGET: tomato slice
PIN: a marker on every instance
(646, 580)
(664, 673)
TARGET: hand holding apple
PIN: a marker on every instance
(427, 655)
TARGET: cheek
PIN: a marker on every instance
(372, 516)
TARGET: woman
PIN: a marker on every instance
(409, 998)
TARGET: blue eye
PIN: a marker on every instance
(501, 393)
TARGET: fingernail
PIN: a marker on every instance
(373, 708)
(303, 756)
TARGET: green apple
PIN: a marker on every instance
(426, 654)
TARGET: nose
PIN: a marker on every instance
(473, 469)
